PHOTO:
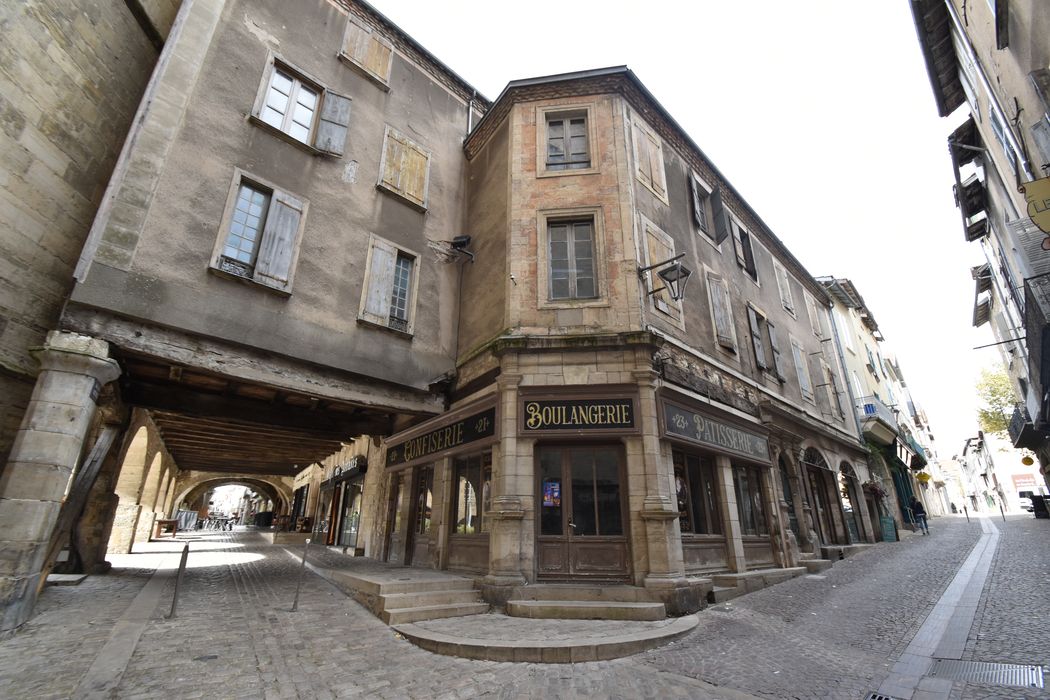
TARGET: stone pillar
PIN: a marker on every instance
(512, 488)
(49, 444)
(663, 540)
(730, 515)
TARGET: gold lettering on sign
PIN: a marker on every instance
(539, 416)
(436, 441)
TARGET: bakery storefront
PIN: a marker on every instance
(580, 480)
(440, 490)
(718, 459)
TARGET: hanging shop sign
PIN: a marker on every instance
(1037, 194)
(702, 429)
(449, 437)
(578, 415)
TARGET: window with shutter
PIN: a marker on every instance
(698, 197)
(649, 160)
(784, 286)
(367, 51)
(388, 297)
(659, 247)
(814, 316)
(260, 233)
(832, 386)
(720, 216)
(721, 311)
(404, 169)
(798, 354)
(745, 256)
(756, 321)
(300, 110)
(567, 142)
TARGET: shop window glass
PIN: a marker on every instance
(698, 511)
(607, 492)
(748, 484)
(473, 478)
(424, 500)
(550, 485)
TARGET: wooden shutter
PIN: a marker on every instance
(784, 285)
(814, 316)
(333, 123)
(660, 248)
(756, 338)
(278, 247)
(367, 49)
(720, 217)
(799, 355)
(745, 256)
(720, 309)
(656, 164)
(641, 155)
(379, 287)
(778, 361)
(405, 168)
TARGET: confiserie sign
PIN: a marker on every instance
(475, 427)
(577, 414)
(705, 430)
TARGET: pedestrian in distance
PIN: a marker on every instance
(919, 513)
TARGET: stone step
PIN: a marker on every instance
(815, 566)
(416, 599)
(720, 594)
(431, 612)
(550, 650)
(586, 610)
(372, 585)
(570, 592)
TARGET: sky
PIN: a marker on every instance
(819, 112)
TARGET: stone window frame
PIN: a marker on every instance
(544, 217)
(218, 263)
(366, 40)
(544, 113)
(331, 119)
(647, 174)
(373, 276)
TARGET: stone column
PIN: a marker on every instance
(730, 515)
(663, 541)
(48, 445)
(512, 479)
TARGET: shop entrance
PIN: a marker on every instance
(417, 549)
(581, 534)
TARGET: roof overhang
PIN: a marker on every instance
(933, 28)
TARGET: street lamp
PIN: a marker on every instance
(674, 275)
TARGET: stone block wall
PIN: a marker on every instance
(71, 77)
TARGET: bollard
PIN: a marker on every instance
(967, 513)
(178, 582)
(299, 583)
(1002, 512)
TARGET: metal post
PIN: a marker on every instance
(1001, 512)
(299, 583)
(178, 581)
(966, 512)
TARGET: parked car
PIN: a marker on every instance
(1026, 503)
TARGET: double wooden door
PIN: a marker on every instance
(581, 517)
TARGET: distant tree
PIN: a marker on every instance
(997, 401)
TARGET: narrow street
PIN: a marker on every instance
(841, 634)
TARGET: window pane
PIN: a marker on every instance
(424, 500)
(246, 224)
(681, 487)
(607, 488)
(467, 505)
(584, 518)
(550, 492)
(399, 295)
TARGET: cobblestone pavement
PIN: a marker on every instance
(830, 637)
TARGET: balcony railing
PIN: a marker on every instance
(871, 407)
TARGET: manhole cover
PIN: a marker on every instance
(1015, 675)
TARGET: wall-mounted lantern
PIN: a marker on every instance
(673, 273)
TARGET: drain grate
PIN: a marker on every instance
(1015, 675)
(880, 696)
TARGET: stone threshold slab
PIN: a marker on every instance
(546, 650)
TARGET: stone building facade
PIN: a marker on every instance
(989, 67)
(431, 329)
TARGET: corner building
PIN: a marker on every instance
(605, 431)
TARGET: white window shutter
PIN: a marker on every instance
(756, 338)
(659, 250)
(720, 309)
(784, 285)
(376, 307)
(656, 163)
(277, 248)
(778, 362)
(333, 124)
(641, 155)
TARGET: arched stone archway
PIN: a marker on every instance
(278, 489)
(821, 484)
(128, 488)
(150, 493)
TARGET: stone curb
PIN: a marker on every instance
(546, 651)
